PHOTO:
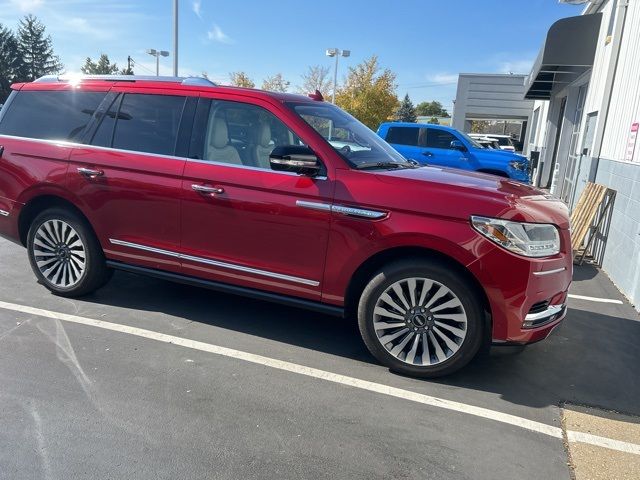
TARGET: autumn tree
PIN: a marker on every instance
(241, 79)
(316, 78)
(35, 50)
(431, 109)
(406, 112)
(369, 93)
(275, 83)
(9, 61)
(102, 67)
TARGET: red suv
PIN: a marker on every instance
(279, 197)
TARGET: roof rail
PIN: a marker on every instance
(193, 81)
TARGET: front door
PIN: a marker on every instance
(438, 149)
(241, 222)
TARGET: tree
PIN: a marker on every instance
(241, 79)
(102, 67)
(35, 50)
(479, 126)
(275, 83)
(9, 61)
(434, 121)
(368, 94)
(431, 109)
(406, 112)
(316, 78)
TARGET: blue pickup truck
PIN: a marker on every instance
(437, 145)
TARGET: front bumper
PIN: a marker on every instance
(527, 296)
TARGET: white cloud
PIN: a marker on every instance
(517, 66)
(27, 5)
(197, 8)
(216, 34)
(443, 78)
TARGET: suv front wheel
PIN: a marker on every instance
(421, 318)
(65, 254)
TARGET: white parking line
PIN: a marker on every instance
(480, 412)
(596, 299)
(605, 442)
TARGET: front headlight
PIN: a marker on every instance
(528, 239)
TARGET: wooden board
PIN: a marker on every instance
(583, 215)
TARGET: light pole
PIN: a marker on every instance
(336, 52)
(175, 38)
(157, 53)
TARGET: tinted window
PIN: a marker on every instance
(104, 134)
(238, 134)
(403, 135)
(147, 123)
(439, 138)
(50, 115)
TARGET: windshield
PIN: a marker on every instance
(472, 141)
(356, 143)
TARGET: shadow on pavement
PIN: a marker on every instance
(590, 359)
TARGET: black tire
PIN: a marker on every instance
(94, 273)
(442, 275)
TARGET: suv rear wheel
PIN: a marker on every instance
(65, 254)
(421, 318)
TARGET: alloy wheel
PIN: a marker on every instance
(59, 253)
(420, 321)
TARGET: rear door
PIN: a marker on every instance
(408, 141)
(127, 178)
(439, 152)
(243, 223)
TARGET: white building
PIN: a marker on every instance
(482, 96)
(586, 87)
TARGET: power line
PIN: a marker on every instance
(135, 63)
(426, 85)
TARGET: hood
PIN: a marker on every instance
(459, 194)
(501, 154)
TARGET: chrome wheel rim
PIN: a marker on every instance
(59, 253)
(420, 321)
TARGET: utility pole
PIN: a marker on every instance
(175, 38)
(128, 64)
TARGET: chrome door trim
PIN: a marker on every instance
(324, 207)
(341, 209)
(549, 272)
(216, 263)
(4, 213)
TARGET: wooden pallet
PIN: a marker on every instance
(588, 218)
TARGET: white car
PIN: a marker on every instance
(503, 140)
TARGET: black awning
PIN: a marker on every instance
(567, 53)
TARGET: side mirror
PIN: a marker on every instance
(458, 145)
(297, 159)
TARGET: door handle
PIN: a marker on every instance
(427, 154)
(206, 189)
(1, 150)
(90, 173)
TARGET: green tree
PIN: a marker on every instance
(316, 78)
(431, 109)
(479, 126)
(369, 94)
(102, 67)
(434, 121)
(406, 112)
(35, 50)
(9, 61)
(275, 83)
(241, 79)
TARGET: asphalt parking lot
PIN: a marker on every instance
(225, 387)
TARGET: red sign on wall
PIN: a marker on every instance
(631, 144)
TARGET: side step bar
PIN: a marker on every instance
(232, 289)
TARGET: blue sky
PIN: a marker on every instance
(425, 42)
